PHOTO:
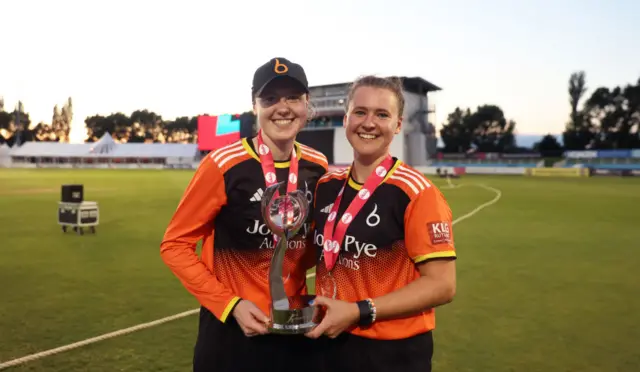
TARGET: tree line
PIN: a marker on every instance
(608, 119)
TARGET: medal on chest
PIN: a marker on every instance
(336, 227)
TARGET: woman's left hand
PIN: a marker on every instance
(338, 316)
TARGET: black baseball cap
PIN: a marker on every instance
(276, 68)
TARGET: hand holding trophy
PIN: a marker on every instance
(285, 213)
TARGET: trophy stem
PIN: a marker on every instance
(276, 284)
(285, 215)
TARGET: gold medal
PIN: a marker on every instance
(328, 286)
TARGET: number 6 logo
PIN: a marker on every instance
(373, 219)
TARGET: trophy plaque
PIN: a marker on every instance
(284, 214)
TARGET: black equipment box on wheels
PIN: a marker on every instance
(76, 213)
(72, 194)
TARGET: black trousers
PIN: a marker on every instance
(222, 347)
(348, 352)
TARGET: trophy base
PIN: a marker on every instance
(297, 319)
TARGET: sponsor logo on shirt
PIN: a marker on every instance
(439, 232)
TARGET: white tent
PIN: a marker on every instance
(5, 155)
(105, 145)
(51, 149)
(105, 152)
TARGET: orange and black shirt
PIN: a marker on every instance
(406, 221)
(221, 207)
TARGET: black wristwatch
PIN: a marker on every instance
(367, 312)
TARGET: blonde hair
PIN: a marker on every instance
(393, 84)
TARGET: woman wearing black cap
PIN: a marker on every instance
(221, 207)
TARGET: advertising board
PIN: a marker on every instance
(615, 172)
(496, 170)
(525, 155)
(581, 154)
(558, 172)
(217, 131)
(607, 172)
(614, 154)
(434, 170)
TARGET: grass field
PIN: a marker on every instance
(548, 277)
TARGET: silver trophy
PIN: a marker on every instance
(284, 215)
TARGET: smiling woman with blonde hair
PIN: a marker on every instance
(385, 238)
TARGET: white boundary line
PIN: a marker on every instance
(481, 206)
(88, 341)
(450, 184)
(138, 327)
